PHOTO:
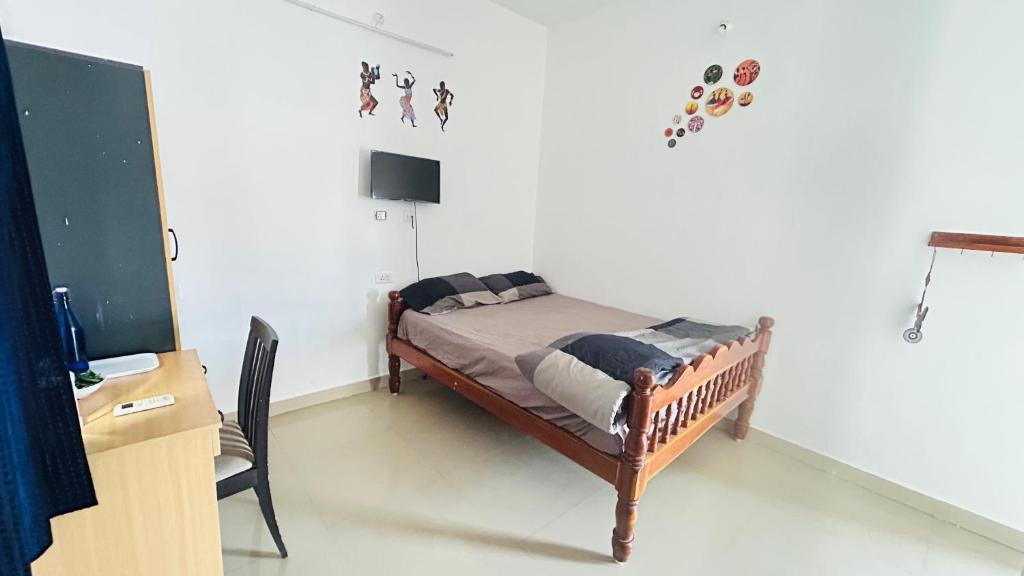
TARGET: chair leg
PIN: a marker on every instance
(267, 507)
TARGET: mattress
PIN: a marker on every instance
(483, 343)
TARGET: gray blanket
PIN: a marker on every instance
(592, 374)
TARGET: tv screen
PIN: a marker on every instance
(397, 177)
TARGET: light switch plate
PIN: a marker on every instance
(383, 277)
(380, 215)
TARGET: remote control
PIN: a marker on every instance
(141, 405)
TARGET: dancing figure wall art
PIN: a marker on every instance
(368, 77)
(406, 100)
(445, 99)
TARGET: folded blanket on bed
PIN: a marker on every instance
(592, 374)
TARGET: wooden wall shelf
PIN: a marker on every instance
(979, 242)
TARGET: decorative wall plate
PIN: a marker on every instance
(747, 72)
(672, 143)
(697, 92)
(745, 99)
(695, 124)
(692, 107)
(677, 119)
(719, 102)
(712, 75)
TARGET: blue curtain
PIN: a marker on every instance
(43, 470)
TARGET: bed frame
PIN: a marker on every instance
(663, 420)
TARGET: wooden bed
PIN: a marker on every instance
(698, 396)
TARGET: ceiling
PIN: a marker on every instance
(553, 12)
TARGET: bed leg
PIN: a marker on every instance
(395, 308)
(625, 525)
(764, 336)
(632, 476)
(394, 374)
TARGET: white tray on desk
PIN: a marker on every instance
(125, 365)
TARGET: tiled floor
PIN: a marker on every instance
(427, 483)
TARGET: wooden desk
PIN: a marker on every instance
(154, 479)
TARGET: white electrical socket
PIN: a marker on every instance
(380, 215)
(383, 277)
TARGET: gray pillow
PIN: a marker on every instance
(516, 285)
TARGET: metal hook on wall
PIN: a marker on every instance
(913, 335)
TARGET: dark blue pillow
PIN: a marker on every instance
(445, 294)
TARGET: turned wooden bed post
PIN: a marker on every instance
(632, 475)
(394, 362)
(746, 409)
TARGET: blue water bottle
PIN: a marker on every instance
(72, 338)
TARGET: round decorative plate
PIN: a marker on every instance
(680, 132)
(747, 72)
(668, 132)
(696, 124)
(691, 107)
(712, 75)
(697, 92)
(719, 102)
(672, 143)
(677, 119)
(745, 99)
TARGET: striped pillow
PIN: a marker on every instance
(445, 294)
(516, 286)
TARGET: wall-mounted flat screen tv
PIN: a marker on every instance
(398, 177)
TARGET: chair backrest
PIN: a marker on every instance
(254, 387)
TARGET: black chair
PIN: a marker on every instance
(243, 444)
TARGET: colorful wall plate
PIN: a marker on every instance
(712, 75)
(677, 119)
(719, 102)
(697, 92)
(680, 132)
(747, 72)
(745, 99)
(672, 143)
(691, 108)
(695, 124)
(668, 132)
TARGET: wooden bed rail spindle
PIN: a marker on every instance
(688, 410)
(745, 371)
(652, 438)
(678, 418)
(631, 480)
(746, 409)
(667, 410)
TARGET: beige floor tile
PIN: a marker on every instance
(428, 483)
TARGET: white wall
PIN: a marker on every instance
(874, 123)
(263, 155)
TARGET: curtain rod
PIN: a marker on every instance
(347, 20)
